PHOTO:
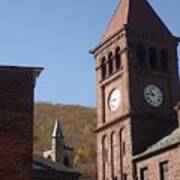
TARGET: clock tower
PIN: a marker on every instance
(137, 87)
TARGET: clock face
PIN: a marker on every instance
(114, 99)
(153, 95)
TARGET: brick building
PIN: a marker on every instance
(16, 117)
(16, 130)
(138, 134)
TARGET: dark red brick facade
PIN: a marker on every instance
(152, 164)
(138, 40)
(16, 117)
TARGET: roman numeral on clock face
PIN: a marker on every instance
(153, 95)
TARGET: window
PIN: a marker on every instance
(110, 63)
(121, 132)
(118, 58)
(141, 53)
(104, 156)
(124, 176)
(105, 152)
(124, 148)
(164, 60)
(153, 58)
(113, 159)
(144, 174)
(66, 161)
(104, 70)
(49, 157)
(164, 171)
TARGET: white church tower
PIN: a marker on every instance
(57, 143)
(59, 152)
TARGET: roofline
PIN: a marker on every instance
(177, 38)
(20, 67)
(36, 70)
(40, 163)
(92, 51)
(155, 152)
(104, 42)
(50, 169)
(56, 172)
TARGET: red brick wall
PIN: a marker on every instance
(149, 123)
(121, 160)
(152, 163)
(115, 164)
(16, 120)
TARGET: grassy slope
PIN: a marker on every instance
(78, 125)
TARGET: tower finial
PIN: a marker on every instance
(57, 132)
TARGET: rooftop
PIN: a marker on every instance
(40, 163)
(169, 141)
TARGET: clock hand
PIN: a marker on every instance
(150, 93)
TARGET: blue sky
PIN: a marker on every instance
(57, 35)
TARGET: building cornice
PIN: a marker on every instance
(99, 129)
(144, 156)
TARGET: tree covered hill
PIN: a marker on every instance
(78, 124)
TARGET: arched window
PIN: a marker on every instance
(118, 58)
(110, 63)
(49, 157)
(103, 68)
(164, 60)
(66, 161)
(153, 58)
(121, 152)
(104, 156)
(141, 53)
(113, 159)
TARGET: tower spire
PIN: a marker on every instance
(137, 15)
(58, 131)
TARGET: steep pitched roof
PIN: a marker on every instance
(57, 132)
(168, 141)
(138, 15)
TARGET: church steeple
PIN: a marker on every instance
(57, 132)
(57, 142)
(59, 152)
(137, 15)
